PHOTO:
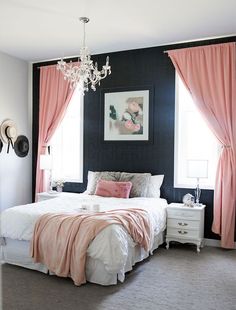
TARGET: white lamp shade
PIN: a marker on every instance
(197, 169)
(45, 162)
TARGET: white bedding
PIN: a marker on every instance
(111, 244)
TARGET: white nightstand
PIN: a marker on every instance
(185, 224)
(46, 195)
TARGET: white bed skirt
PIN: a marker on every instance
(16, 252)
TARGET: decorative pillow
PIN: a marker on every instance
(154, 186)
(110, 175)
(113, 189)
(94, 176)
(140, 183)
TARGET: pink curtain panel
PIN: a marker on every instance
(209, 73)
(54, 96)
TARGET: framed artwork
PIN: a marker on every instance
(126, 114)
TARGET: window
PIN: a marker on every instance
(194, 141)
(67, 143)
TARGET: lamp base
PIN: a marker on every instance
(197, 205)
(197, 193)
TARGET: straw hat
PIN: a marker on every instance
(8, 131)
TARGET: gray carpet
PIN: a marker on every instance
(175, 279)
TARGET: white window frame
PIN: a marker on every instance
(192, 181)
(81, 142)
(81, 121)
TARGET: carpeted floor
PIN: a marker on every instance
(175, 279)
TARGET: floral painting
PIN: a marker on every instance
(126, 115)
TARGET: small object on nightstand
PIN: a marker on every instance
(188, 200)
(185, 225)
(59, 184)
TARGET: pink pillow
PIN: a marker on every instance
(113, 189)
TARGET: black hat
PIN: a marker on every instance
(21, 146)
(1, 145)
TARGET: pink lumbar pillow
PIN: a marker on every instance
(113, 189)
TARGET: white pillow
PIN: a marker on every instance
(92, 181)
(154, 186)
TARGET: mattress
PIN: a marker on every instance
(110, 254)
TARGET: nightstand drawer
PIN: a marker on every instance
(184, 214)
(181, 223)
(182, 233)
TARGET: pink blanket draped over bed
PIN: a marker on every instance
(60, 241)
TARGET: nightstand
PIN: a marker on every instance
(47, 195)
(185, 224)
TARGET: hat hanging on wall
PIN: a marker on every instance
(1, 145)
(8, 133)
(21, 146)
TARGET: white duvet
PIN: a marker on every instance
(111, 244)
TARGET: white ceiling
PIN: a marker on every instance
(37, 30)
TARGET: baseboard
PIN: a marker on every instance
(214, 243)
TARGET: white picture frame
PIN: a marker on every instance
(126, 115)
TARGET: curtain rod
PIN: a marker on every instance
(165, 52)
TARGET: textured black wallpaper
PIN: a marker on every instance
(134, 68)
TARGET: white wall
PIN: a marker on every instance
(15, 172)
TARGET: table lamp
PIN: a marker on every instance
(197, 169)
(46, 165)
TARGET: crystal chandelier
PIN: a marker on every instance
(85, 72)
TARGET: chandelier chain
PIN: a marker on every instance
(84, 36)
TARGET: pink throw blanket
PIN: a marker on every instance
(60, 241)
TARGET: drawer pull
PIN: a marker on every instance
(182, 232)
(183, 224)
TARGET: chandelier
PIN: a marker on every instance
(85, 73)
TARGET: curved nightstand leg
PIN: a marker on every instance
(198, 248)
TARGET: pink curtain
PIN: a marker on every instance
(54, 96)
(209, 73)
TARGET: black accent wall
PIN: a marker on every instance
(133, 68)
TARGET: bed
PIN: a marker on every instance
(109, 256)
